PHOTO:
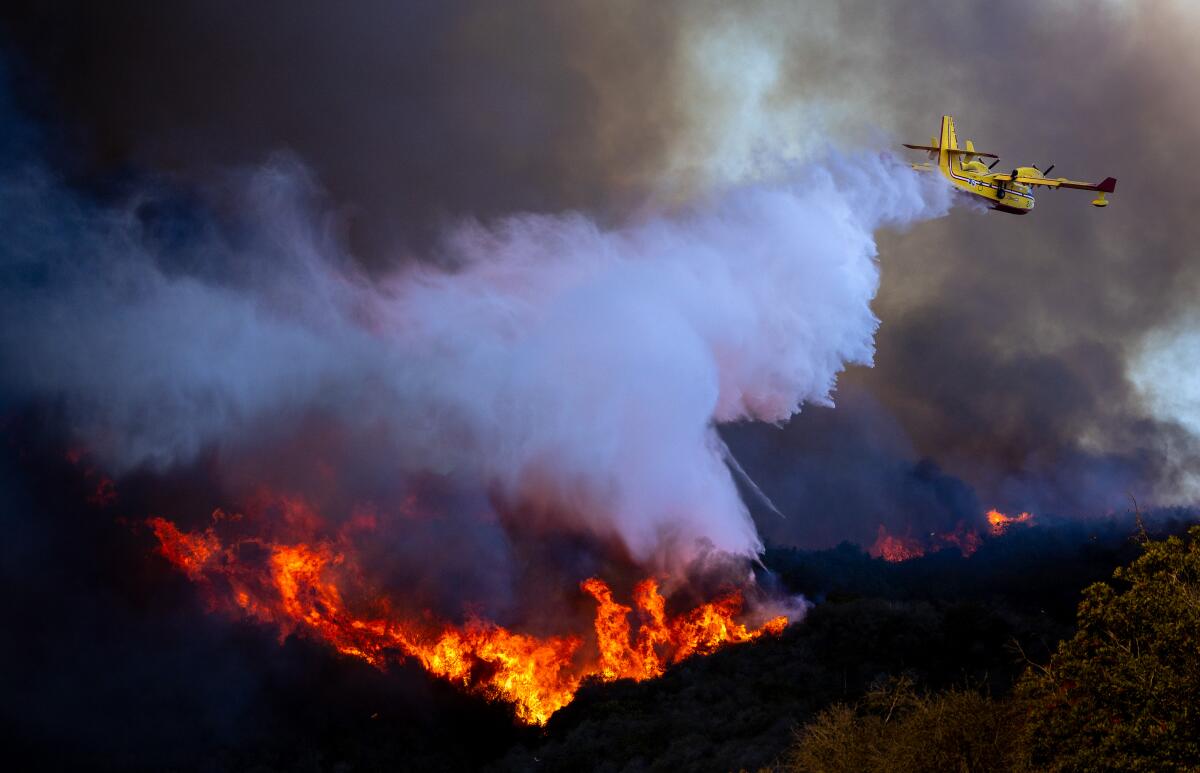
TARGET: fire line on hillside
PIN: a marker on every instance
(313, 585)
(895, 548)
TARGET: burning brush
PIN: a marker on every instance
(314, 586)
(895, 547)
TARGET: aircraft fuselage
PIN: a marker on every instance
(1006, 191)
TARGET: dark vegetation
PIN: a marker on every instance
(895, 728)
(1118, 695)
(110, 661)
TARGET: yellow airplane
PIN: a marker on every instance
(1007, 192)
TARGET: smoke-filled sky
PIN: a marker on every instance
(1039, 363)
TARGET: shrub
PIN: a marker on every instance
(1124, 692)
(896, 730)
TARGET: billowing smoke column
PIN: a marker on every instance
(571, 371)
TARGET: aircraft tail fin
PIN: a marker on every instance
(947, 142)
(945, 148)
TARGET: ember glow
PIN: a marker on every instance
(315, 587)
(893, 547)
(966, 539)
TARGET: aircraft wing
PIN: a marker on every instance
(1108, 186)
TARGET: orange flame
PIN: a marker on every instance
(893, 548)
(1000, 523)
(300, 586)
(187, 551)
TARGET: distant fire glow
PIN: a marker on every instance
(904, 547)
(1000, 523)
(893, 547)
(312, 585)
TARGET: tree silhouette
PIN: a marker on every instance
(1124, 692)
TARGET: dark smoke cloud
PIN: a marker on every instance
(1005, 344)
(838, 473)
(408, 113)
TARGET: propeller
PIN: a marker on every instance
(993, 164)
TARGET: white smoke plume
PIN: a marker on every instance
(574, 370)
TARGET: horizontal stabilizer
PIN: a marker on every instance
(961, 152)
(952, 151)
